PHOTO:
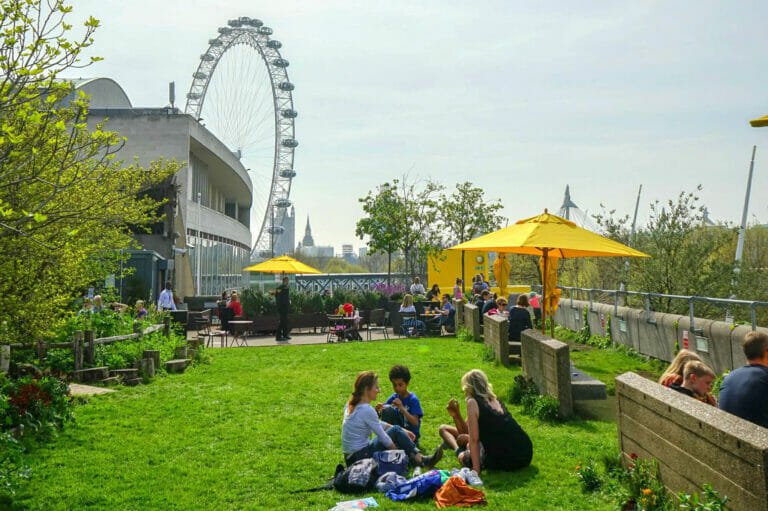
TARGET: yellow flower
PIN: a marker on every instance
(647, 491)
(578, 467)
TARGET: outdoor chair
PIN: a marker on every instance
(378, 322)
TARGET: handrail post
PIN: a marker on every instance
(691, 314)
(616, 303)
(753, 314)
(647, 303)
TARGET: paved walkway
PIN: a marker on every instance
(297, 338)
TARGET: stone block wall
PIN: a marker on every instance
(472, 321)
(654, 334)
(547, 362)
(694, 443)
(458, 305)
(496, 336)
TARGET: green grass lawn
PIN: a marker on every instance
(256, 423)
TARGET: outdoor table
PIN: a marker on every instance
(239, 329)
(427, 318)
(338, 324)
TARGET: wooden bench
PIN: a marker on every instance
(694, 443)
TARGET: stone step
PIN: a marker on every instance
(181, 352)
(91, 374)
(515, 348)
(177, 365)
(112, 380)
(586, 388)
(132, 382)
(125, 373)
(515, 360)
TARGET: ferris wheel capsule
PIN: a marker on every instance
(274, 44)
(289, 173)
(289, 113)
(280, 62)
(286, 86)
(264, 30)
(290, 142)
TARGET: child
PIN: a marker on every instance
(403, 407)
(697, 382)
(141, 312)
(674, 373)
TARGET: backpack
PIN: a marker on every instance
(392, 461)
(358, 477)
(351, 334)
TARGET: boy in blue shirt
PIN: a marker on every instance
(403, 407)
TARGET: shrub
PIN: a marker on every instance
(521, 387)
(643, 485)
(545, 408)
(36, 406)
(584, 333)
(710, 501)
(464, 335)
(588, 477)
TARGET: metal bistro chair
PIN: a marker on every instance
(378, 322)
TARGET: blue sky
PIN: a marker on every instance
(520, 99)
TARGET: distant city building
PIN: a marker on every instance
(316, 251)
(348, 253)
(204, 240)
(285, 242)
(362, 252)
(307, 241)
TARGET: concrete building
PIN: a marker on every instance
(362, 252)
(316, 251)
(205, 240)
(285, 242)
(348, 253)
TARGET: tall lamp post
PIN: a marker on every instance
(199, 244)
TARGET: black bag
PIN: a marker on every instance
(351, 334)
(359, 477)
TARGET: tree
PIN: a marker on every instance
(420, 236)
(67, 205)
(384, 223)
(466, 214)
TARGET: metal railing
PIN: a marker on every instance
(647, 297)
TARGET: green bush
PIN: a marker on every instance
(710, 501)
(588, 476)
(521, 387)
(38, 407)
(464, 335)
(544, 408)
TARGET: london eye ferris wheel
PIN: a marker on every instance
(242, 92)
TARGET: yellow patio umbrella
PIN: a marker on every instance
(760, 122)
(282, 264)
(548, 236)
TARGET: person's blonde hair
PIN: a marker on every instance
(139, 303)
(475, 384)
(677, 366)
(695, 367)
(407, 300)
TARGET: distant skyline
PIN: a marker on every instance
(520, 99)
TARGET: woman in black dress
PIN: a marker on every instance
(490, 437)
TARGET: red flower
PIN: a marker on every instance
(633, 456)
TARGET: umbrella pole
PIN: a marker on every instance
(544, 295)
(462, 274)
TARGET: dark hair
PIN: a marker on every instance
(168, 285)
(522, 300)
(447, 296)
(755, 344)
(458, 280)
(364, 381)
(485, 293)
(435, 287)
(399, 372)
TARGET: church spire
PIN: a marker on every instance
(308, 241)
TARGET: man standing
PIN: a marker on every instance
(744, 391)
(165, 300)
(283, 308)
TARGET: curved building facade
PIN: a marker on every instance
(205, 239)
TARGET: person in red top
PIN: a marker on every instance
(234, 304)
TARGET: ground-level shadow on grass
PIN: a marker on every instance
(508, 481)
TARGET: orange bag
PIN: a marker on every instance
(455, 492)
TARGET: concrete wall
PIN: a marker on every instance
(496, 336)
(694, 443)
(547, 362)
(654, 334)
(472, 321)
(458, 305)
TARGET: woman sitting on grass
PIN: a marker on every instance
(489, 437)
(361, 420)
